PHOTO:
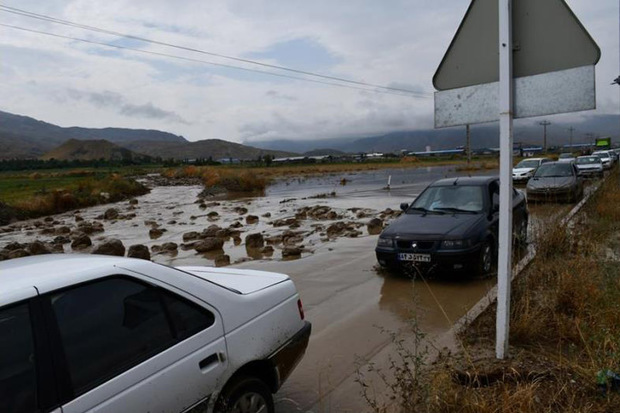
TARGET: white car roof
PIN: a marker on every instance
(27, 272)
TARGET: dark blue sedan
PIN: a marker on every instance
(452, 225)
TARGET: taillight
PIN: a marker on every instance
(300, 307)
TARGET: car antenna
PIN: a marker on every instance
(455, 181)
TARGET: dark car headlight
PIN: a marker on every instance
(455, 244)
(385, 242)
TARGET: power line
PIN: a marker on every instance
(50, 19)
(189, 59)
(544, 124)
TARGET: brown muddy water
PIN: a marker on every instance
(346, 297)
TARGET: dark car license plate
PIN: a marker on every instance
(404, 256)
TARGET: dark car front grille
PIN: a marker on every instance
(420, 245)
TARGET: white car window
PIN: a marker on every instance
(109, 326)
(18, 380)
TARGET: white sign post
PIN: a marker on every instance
(504, 268)
(546, 66)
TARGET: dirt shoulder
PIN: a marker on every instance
(564, 327)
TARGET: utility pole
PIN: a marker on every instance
(544, 124)
(571, 130)
(468, 145)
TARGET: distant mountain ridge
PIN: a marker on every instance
(482, 136)
(74, 149)
(22, 137)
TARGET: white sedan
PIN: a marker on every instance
(92, 333)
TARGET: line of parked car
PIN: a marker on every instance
(453, 224)
(561, 180)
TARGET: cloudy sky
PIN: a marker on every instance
(396, 43)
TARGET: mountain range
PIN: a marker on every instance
(482, 136)
(22, 137)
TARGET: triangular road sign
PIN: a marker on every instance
(547, 37)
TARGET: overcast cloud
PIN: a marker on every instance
(397, 43)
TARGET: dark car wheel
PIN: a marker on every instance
(522, 233)
(246, 395)
(485, 260)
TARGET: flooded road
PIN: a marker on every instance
(346, 297)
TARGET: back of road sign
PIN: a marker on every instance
(547, 37)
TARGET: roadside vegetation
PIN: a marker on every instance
(564, 332)
(34, 194)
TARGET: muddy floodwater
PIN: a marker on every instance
(346, 297)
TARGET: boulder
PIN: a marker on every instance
(209, 244)
(139, 251)
(291, 252)
(110, 247)
(18, 253)
(267, 250)
(236, 224)
(14, 246)
(251, 219)
(375, 226)
(241, 210)
(155, 233)
(169, 246)
(190, 236)
(38, 248)
(62, 230)
(291, 222)
(133, 201)
(81, 241)
(222, 260)
(266, 215)
(110, 213)
(254, 241)
(210, 232)
(61, 239)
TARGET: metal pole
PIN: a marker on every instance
(571, 129)
(504, 269)
(544, 125)
(468, 146)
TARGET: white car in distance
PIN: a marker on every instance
(566, 157)
(82, 333)
(605, 158)
(525, 169)
(589, 165)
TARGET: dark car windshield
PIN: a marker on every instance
(453, 198)
(588, 160)
(528, 163)
(554, 170)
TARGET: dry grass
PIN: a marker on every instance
(82, 193)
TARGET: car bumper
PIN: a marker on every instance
(556, 196)
(590, 172)
(447, 260)
(286, 358)
(520, 179)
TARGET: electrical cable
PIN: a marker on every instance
(50, 19)
(189, 59)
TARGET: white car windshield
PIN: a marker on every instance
(528, 163)
(554, 170)
(588, 160)
(453, 198)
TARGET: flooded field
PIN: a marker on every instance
(314, 229)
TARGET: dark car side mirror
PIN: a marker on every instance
(404, 206)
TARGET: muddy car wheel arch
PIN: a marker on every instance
(246, 395)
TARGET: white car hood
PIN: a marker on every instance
(521, 170)
(238, 280)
